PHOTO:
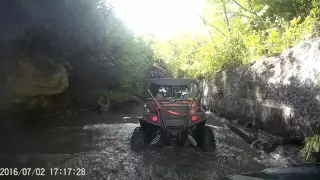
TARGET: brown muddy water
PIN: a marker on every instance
(98, 144)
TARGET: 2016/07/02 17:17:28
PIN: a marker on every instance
(67, 171)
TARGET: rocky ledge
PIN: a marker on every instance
(275, 100)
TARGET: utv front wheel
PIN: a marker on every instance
(206, 140)
(138, 140)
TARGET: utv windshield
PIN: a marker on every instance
(180, 91)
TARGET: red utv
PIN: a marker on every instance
(172, 114)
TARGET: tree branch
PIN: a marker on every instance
(206, 22)
(115, 29)
(252, 12)
(105, 18)
(237, 14)
(226, 16)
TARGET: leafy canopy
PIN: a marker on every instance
(240, 31)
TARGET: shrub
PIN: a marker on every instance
(311, 148)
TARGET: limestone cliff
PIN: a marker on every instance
(280, 95)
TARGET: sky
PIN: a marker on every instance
(161, 18)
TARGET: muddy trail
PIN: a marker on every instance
(99, 145)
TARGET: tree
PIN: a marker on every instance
(240, 30)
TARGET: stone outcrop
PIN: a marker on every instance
(279, 95)
(23, 78)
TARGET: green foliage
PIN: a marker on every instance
(311, 148)
(274, 40)
(240, 31)
(140, 59)
(232, 53)
(315, 9)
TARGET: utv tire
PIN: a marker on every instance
(206, 140)
(138, 140)
(148, 134)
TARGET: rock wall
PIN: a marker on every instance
(23, 78)
(280, 95)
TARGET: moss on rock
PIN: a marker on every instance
(25, 78)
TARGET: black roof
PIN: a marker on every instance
(171, 81)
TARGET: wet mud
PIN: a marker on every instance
(100, 144)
